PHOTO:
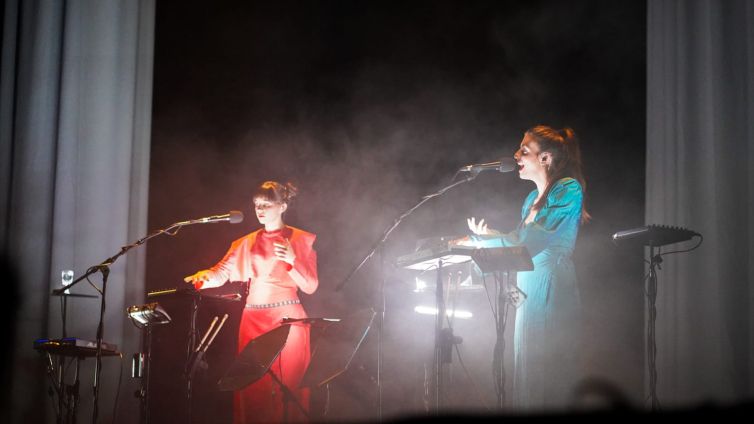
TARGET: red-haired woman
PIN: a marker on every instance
(278, 261)
(547, 336)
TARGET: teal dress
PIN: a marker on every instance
(547, 337)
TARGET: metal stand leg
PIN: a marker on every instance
(651, 348)
(502, 319)
(438, 339)
(68, 394)
(288, 396)
(75, 392)
(189, 353)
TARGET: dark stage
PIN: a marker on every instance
(120, 118)
(366, 107)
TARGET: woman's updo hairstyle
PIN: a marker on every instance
(563, 146)
(273, 191)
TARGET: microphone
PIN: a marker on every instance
(503, 165)
(234, 217)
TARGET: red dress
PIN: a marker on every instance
(251, 258)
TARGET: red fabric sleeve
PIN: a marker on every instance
(225, 269)
(306, 260)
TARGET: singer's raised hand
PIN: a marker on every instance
(198, 279)
(284, 252)
(479, 228)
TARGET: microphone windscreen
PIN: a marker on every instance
(235, 217)
(507, 164)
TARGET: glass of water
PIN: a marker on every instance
(66, 277)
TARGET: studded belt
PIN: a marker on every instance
(273, 305)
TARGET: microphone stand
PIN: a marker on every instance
(651, 350)
(197, 361)
(104, 269)
(379, 245)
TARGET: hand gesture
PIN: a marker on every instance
(284, 252)
(198, 279)
(478, 228)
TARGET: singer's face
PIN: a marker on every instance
(269, 212)
(529, 162)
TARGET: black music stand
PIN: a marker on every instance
(255, 361)
(337, 347)
(503, 260)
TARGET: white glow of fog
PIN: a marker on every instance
(421, 285)
(428, 310)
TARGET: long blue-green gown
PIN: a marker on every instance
(547, 338)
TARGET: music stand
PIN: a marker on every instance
(255, 361)
(503, 260)
(337, 347)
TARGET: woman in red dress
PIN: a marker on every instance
(277, 260)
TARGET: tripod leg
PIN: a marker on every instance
(74, 395)
(499, 354)
(287, 397)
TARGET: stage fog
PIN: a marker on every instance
(366, 108)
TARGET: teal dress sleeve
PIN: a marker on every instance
(554, 228)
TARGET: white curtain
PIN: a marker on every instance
(700, 151)
(75, 127)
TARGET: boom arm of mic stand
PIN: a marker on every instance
(397, 222)
(104, 268)
(109, 261)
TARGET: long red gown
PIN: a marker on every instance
(251, 258)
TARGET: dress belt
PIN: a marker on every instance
(273, 305)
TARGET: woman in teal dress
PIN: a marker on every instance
(547, 337)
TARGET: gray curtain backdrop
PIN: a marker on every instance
(700, 151)
(75, 124)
